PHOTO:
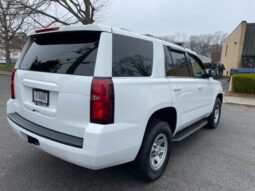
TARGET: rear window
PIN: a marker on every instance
(63, 52)
(131, 57)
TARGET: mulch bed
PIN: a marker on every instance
(228, 93)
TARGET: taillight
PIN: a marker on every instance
(102, 101)
(12, 84)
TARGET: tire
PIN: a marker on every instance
(151, 160)
(214, 118)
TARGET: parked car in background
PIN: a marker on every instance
(98, 96)
(216, 69)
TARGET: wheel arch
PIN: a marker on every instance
(220, 96)
(167, 114)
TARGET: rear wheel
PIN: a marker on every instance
(155, 151)
(214, 118)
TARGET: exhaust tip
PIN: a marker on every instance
(32, 140)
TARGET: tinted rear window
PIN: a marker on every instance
(63, 53)
(131, 57)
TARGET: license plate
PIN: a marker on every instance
(41, 97)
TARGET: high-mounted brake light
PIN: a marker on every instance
(12, 83)
(102, 101)
(47, 29)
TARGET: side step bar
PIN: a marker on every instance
(189, 130)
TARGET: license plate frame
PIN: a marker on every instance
(40, 97)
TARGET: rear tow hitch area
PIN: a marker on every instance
(32, 140)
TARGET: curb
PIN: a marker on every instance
(239, 104)
(239, 101)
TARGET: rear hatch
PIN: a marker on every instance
(53, 80)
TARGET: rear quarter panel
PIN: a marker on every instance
(136, 99)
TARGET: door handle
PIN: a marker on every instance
(177, 88)
(200, 87)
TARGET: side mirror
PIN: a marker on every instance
(211, 73)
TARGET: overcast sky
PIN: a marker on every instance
(166, 17)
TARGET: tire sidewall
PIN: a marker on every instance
(157, 128)
(211, 123)
(218, 102)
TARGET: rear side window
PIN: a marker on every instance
(176, 63)
(131, 57)
(63, 52)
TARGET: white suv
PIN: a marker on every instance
(97, 96)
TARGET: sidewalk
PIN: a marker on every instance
(5, 73)
(248, 101)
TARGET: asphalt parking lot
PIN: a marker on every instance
(221, 159)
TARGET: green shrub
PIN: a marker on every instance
(243, 83)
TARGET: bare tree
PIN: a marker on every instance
(12, 22)
(65, 12)
(217, 39)
(205, 44)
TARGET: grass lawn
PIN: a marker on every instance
(6, 68)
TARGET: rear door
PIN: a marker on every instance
(53, 80)
(182, 86)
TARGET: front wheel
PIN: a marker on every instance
(214, 118)
(155, 151)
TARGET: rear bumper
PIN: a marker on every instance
(45, 132)
(103, 146)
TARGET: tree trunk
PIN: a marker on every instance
(7, 51)
(88, 19)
